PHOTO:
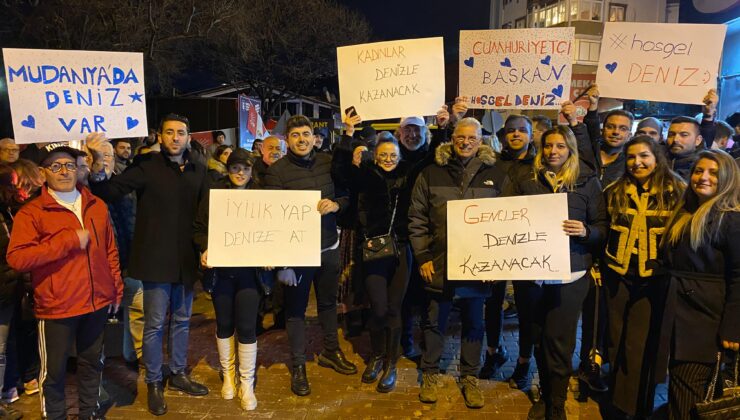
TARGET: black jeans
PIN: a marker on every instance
(386, 281)
(56, 337)
(636, 307)
(325, 280)
(557, 308)
(525, 294)
(434, 328)
(236, 299)
(589, 317)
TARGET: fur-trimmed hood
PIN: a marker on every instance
(444, 153)
(218, 166)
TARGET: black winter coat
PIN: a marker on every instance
(167, 202)
(589, 152)
(377, 193)
(705, 293)
(294, 173)
(585, 203)
(437, 184)
(10, 280)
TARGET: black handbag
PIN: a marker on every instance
(383, 246)
(726, 407)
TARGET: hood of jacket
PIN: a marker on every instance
(444, 153)
(217, 165)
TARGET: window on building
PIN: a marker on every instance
(520, 23)
(549, 16)
(586, 9)
(617, 12)
(587, 51)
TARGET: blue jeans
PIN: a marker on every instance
(158, 298)
(133, 318)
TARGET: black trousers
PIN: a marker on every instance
(555, 325)
(413, 302)
(589, 317)
(687, 386)
(525, 294)
(434, 327)
(386, 282)
(236, 300)
(325, 280)
(56, 337)
(636, 307)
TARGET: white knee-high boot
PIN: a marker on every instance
(247, 368)
(227, 357)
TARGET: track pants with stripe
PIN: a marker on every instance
(56, 338)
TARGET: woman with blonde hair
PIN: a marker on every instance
(639, 205)
(703, 257)
(556, 169)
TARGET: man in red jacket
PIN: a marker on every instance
(64, 238)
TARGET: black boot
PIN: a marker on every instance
(375, 363)
(555, 401)
(155, 398)
(589, 375)
(387, 382)
(335, 359)
(493, 363)
(299, 382)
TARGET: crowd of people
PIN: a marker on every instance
(655, 271)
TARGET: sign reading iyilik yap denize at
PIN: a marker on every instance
(392, 79)
(664, 62)
(64, 95)
(261, 228)
(516, 68)
(510, 238)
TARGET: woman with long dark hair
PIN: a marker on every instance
(236, 296)
(557, 304)
(703, 256)
(639, 205)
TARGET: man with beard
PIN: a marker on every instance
(122, 151)
(169, 186)
(684, 144)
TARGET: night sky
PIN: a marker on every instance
(401, 19)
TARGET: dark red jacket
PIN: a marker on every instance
(67, 281)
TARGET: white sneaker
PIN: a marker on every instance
(10, 396)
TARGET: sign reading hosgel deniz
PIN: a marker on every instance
(392, 79)
(264, 228)
(64, 95)
(516, 68)
(509, 238)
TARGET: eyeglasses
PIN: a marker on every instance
(463, 139)
(10, 149)
(56, 167)
(388, 156)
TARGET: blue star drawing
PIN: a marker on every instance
(135, 97)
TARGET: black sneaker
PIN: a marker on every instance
(590, 375)
(493, 363)
(538, 411)
(336, 360)
(520, 378)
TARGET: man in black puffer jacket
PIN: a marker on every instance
(464, 169)
(304, 169)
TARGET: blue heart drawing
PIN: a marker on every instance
(546, 61)
(506, 62)
(470, 62)
(558, 91)
(611, 67)
(131, 123)
(29, 122)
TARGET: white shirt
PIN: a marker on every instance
(71, 200)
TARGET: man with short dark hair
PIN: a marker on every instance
(169, 186)
(303, 168)
(123, 152)
(684, 144)
(257, 147)
(65, 240)
(540, 124)
(9, 151)
(652, 127)
(722, 135)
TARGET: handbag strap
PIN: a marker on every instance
(715, 376)
(393, 215)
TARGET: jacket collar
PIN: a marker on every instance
(48, 202)
(444, 155)
(299, 161)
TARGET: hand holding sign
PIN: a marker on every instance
(574, 228)
(350, 121)
(327, 206)
(443, 117)
(710, 104)
(569, 111)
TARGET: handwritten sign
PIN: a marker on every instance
(392, 79)
(64, 95)
(516, 68)
(511, 238)
(663, 62)
(255, 228)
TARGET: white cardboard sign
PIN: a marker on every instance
(392, 79)
(508, 238)
(663, 62)
(516, 68)
(58, 95)
(264, 228)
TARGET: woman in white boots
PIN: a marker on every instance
(234, 288)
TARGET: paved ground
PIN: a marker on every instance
(333, 396)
